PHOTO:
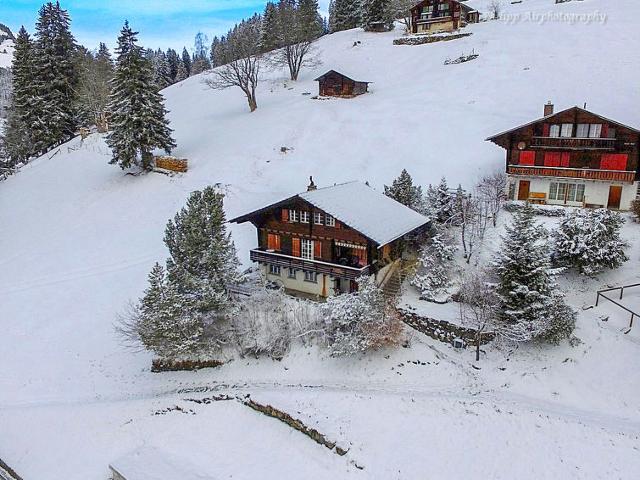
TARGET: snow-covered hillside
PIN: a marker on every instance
(6, 53)
(78, 237)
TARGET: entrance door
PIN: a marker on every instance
(615, 193)
(523, 190)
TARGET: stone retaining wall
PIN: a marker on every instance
(422, 39)
(442, 330)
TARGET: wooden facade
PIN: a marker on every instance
(572, 144)
(433, 16)
(335, 84)
(300, 244)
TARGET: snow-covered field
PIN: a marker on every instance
(77, 239)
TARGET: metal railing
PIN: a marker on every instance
(601, 293)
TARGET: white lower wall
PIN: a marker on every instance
(595, 192)
(323, 287)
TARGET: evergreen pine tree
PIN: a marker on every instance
(22, 116)
(589, 240)
(138, 115)
(441, 202)
(162, 73)
(55, 78)
(173, 61)
(308, 20)
(377, 12)
(203, 258)
(404, 191)
(215, 43)
(182, 72)
(331, 24)
(186, 61)
(530, 306)
(433, 275)
(269, 34)
(347, 14)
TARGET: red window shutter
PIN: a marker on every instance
(613, 161)
(565, 160)
(317, 249)
(295, 247)
(527, 157)
(605, 131)
(545, 130)
(552, 159)
(285, 215)
(273, 241)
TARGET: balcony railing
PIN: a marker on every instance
(583, 173)
(432, 18)
(287, 261)
(574, 143)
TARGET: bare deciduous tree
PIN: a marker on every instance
(478, 305)
(402, 11)
(492, 190)
(495, 7)
(241, 60)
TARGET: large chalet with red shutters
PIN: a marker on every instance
(573, 157)
(317, 243)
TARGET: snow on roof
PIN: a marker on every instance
(373, 214)
(151, 463)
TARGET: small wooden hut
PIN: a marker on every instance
(335, 84)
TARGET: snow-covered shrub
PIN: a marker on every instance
(435, 263)
(361, 321)
(268, 321)
(635, 209)
(530, 305)
(542, 210)
(589, 240)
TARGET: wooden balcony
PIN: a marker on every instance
(571, 143)
(582, 173)
(287, 261)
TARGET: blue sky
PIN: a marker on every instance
(161, 23)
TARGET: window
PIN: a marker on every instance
(307, 249)
(595, 130)
(310, 276)
(329, 221)
(554, 131)
(293, 216)
(527, 158)
(292, 273)
(317, 218)
(567, 130)
(273, 241)
(583, 130)
(304, 217)
(566, 192)
(274, 269)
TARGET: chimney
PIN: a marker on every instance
(548, 109)
(312, 186)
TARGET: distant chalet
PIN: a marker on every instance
(335, 84)
(574, 157)
(436, 16)
(317, 243)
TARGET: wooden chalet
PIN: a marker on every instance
(435, 16)
(317, 243)
(573, 157)
(335, 84)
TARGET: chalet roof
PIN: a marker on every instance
(362, 208)
(548, 117)
(466, 7)
(321, 77)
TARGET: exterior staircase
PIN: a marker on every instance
(392, 284)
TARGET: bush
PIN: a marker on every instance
(542, 210)
(361, 321)
(589, 240)
(635, 209)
